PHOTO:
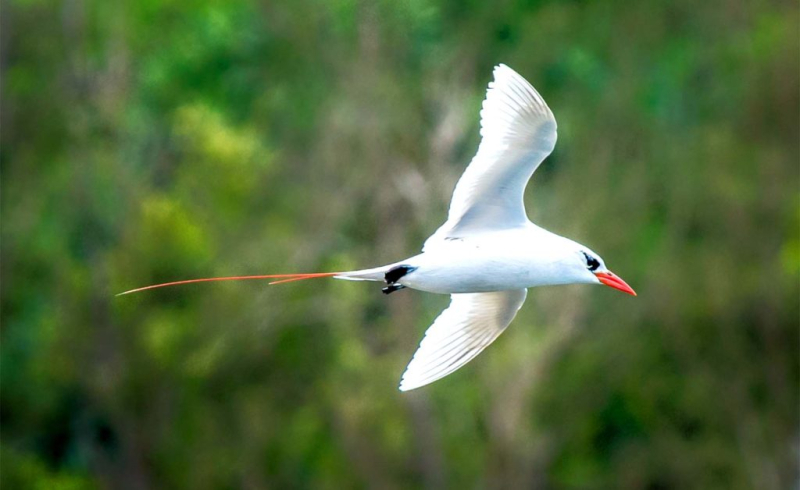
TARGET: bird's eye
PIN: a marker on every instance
(591, 262)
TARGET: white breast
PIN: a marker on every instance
(509, 259)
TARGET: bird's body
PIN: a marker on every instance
(494, 261)
(487, 254)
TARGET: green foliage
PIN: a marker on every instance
(28, 472)
(154, 141)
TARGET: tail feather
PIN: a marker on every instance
(375, 274)
(301, 277)
(281, 278)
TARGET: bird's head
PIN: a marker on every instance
(592, 269)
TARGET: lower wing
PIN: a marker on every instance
(461, 332)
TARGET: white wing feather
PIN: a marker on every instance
(461, 332)
(518, 132)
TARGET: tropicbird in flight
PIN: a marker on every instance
(488, 253)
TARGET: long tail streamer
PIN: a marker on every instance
(281, 278)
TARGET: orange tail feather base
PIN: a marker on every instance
(281, 279)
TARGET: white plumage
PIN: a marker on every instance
(488, 246)
(462, 331)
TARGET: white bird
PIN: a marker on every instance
(488, 252)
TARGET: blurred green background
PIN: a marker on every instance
(151, 141)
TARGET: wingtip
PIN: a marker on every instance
(501, 68)
(412, 382)
(405, 387)
(406, 383)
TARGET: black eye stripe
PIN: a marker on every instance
(592, 263)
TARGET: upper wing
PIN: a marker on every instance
(518, 131)
(461, 332)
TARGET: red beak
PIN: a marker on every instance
(612, 280)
